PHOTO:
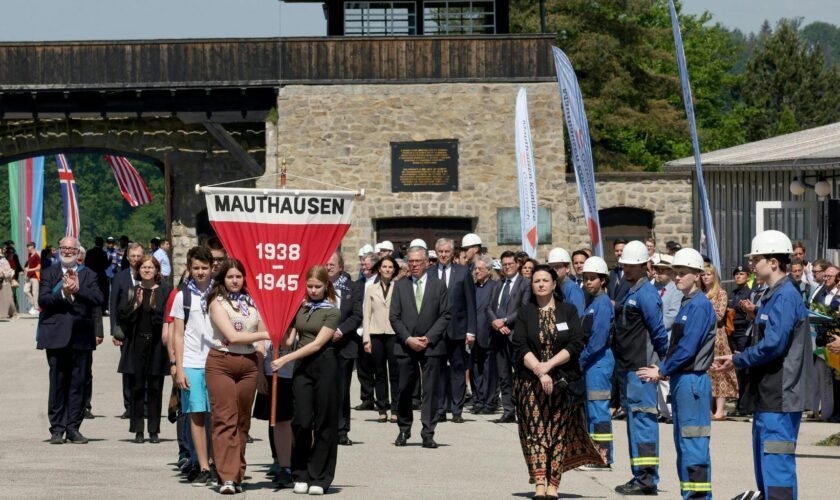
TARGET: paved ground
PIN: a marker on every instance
(477, 459)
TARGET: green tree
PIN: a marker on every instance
(103, 210)
(827, 37)
(786, 86)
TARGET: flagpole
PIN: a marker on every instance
(276, 350)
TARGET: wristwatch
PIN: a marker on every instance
(172, 362)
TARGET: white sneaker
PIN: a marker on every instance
(228, 488)
(33, 311)
(301, 488)
(316, 490)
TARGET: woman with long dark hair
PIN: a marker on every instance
(379, 337)
(315, 423)
(548, 391)
(231, 371)
(144, 356)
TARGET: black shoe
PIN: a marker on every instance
(416, 405)
(443, 418)
(138, 438)
(249, 440)
(194, 472)
(345, 441)
(125, 415)
(506, 419)
(76, 438)
(365, 407)
(633, 487)
(477, 410)
(284, 478)
(154, 438)
(89, 415)
(619, 414)
(202, 479)
(402, 439)
(457, 419)
(214, 476)
(57, 438)
(665, 420)
(429, 443)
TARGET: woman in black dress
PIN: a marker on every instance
(549, 388)
(144, 357)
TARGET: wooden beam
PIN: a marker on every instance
(251, 166)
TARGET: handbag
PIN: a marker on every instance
(118, 332)
(729, 321)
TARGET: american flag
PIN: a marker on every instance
(70, 195)
(133, 188)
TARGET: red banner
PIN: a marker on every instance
(278, 234)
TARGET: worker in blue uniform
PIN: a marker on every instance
(781, 369)
(689, 358)
(639, 340)
(596, 360)
(561, 262)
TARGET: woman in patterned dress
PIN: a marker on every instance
(548, 390)
(724, 384)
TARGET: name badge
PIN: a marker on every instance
(685, 318)
(631, 302)
(592, 311)
(561, 327)
(764, 317)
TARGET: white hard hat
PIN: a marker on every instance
(432, 254)
(366, 249)
(665, 260)
(386, 245)
(417, 243)
(595, 265)
(771, 242)
(559, 256)
(688, 257)
(497, 265)
(470, 240)
(634, 252)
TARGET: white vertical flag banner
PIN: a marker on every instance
(580, 146)
(526, 176)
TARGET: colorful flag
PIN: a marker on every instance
(278, 235)
(708, 228)
(26, 201)
(580, 146)
(131, 185)
(526, 176)
(70, 196)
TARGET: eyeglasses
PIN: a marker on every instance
(68, 249)
(218, 259)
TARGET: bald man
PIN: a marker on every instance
(68, 295)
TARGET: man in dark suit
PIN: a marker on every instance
(461, 331)
(67, 297)
(484, 357)
(420, 316)
(346, 341)
(617, 286)
(503, 310)
(124, 281)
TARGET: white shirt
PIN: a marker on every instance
(165, 266)
(830, 296)
(198, 332)
(444, 272)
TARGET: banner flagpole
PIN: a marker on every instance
(276, 350)
(526, 176)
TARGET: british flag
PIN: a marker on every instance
(70, 195)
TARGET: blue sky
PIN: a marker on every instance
(30, 20)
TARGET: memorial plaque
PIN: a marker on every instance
(424, 166)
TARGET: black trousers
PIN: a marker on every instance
(344, 375)
(486, 377)
(385, 371)
(504, 367)
(146, 392)
(454, 381)
(126, 387)
(89, 385)
(737, 343)
(410, 369)
(364, 371)
(315, 422)
(68, 378)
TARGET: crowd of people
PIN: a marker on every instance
(560, 347)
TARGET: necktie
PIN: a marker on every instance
(418, 294)
(503, 303)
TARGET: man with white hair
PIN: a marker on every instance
(67, 296)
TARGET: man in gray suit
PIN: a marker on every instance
(420, 317)
(484, 357)
(503, 310)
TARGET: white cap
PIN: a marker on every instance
(432, 254)
(769, 243)
(417, 243)
(559, 256)
(386, 245)
(688, 257)
(470, 240)
(366, 249)
(634, 252)
(595, 265)
(665, 260)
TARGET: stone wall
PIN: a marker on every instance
(341, 135)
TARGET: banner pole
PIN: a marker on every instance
(274, 391)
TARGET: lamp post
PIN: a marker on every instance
(542, 16)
